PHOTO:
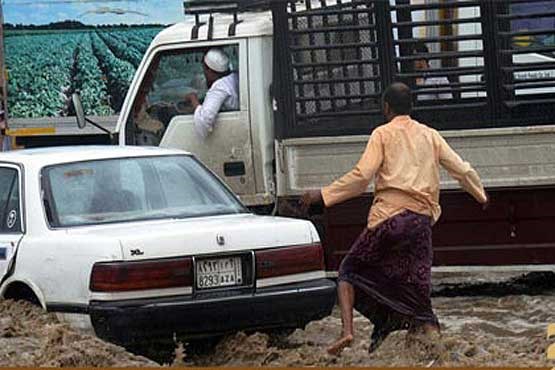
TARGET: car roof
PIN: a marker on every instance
(66, 154)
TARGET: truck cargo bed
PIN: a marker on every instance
(517, 166)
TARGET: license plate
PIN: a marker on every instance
(219, 272)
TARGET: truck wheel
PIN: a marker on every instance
(262, 210)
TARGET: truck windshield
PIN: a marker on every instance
(130, 189)
(171, 76)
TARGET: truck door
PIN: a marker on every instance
(159, 115)
(11, 216)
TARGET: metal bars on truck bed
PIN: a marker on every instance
(488, 63)
(335, 58)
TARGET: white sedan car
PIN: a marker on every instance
(140, 243)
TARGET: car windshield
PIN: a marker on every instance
(130, 189)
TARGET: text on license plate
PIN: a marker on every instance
(219, 272)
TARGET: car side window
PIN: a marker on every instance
(10, 212)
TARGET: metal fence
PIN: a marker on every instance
(471, 63)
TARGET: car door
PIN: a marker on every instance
(11, 214)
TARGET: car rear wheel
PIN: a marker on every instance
(21, 292)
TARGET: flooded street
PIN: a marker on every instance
(29, 337)
(508, 329)
(487, 320)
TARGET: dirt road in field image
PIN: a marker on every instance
(488, 319)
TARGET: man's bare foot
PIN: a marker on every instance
(336, 348)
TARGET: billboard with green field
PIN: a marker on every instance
(53, 48)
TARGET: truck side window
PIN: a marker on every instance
(545, 23)
(170, 76)
(538, 35)
(10, 213)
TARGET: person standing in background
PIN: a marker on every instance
(424, 81)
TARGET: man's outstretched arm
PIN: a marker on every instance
(351, 184)
(460, 170)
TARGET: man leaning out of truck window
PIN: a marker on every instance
(425, 81)
(222, 94)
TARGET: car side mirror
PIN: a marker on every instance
(79, 113)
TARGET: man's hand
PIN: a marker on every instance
(485, 205)
(309, 198)
(192, 99)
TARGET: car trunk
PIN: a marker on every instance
(203, 235)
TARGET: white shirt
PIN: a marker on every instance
(223, 95)
(435, 81)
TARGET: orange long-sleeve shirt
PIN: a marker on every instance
(403, 156)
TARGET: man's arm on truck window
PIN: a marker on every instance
(205, 114)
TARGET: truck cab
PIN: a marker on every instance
(241, 148)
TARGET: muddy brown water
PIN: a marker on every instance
(494, 319)
(31, 337)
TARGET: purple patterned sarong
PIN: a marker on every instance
(390, 270)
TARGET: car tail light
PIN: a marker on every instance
(140, 275)
(289, 260)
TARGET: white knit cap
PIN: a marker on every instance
(217, 60)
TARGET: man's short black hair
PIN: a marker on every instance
(399, 98)
(420, 48)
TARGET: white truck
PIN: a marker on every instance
(311, 75)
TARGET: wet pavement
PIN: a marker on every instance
(487, 320)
